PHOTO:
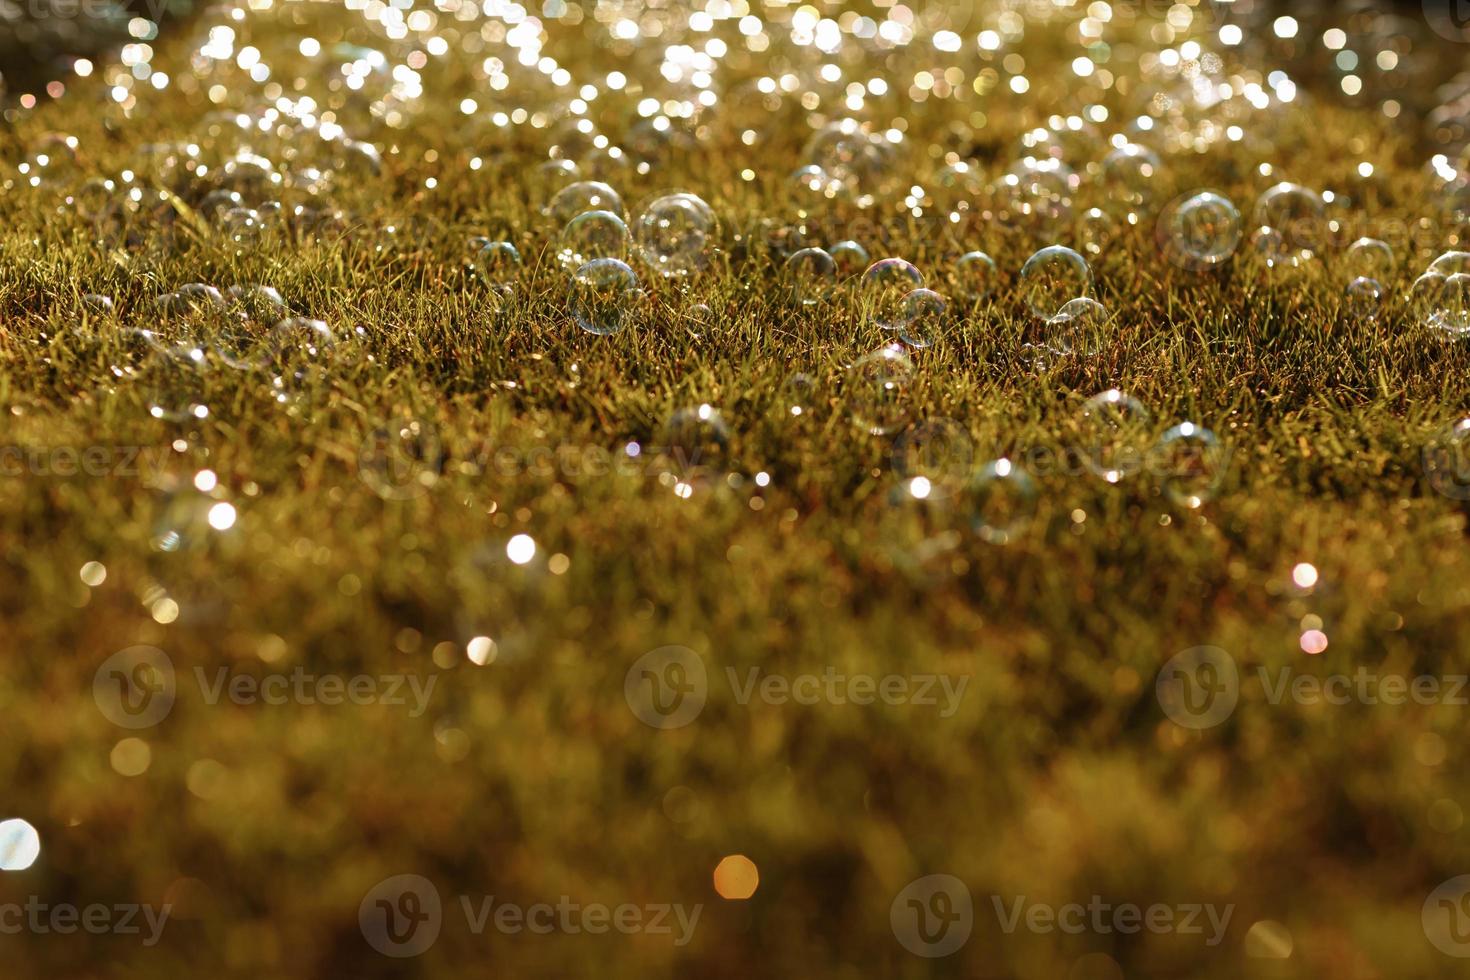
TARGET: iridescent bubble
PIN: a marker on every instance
(1114, 433)
(1080, 328)
(851, 259)
(1129, 173)
(809, 276)
(1001, 501)
(696, 441)
(876, 388)
(1368, 258)
(1451, 263)
(1298, 214)
(921, 318)
(973, 277)
(581, 197)
(1202, 231)
(1425, 296)
(883, 290)
(675, 234)
(592, 235)
(300, 339)
(1450, 316)
(1053, 277)
(1191, 464)
(603, 296)
(1362, 299)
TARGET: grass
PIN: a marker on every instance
(1058, 776)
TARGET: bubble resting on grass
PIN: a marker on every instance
(1362, 300)
(1001, 502)
(581, 197)
(1297, 213)
(695, 442)
(973, 277)
(1450, 312)
(592, 235)
(1192, 464)
(876, 391)
(938, 452)
(1079, 329)
(921, 318)
(883, 288)
(1128, 173)
(1114, 432)
(1368, 258)
(499, 265)
(675, 234)
(809, 275)
(603, 295)
(1053, 277)
(851, 259)
(1201, 232)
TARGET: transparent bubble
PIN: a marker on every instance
(603, 296)
(798, 394)
(300, 339)
(1114, 434)
(813, 187)
(1037, 194)
(675, 234)
(1202, 231)
(1096, 229)
(973, 277)
(1001, 501)
(1080, 328)
(883, 289)
(809, 276)
(592, 235)
(937, 453)
(696, 441)
(1368, 258)
(1191, 464)
(1450, 316)
(1451, 263)
(262, 304)
(922, 318)
(97, 305)
(1362, 300)
(1129, 173)
(1299, 215)
(581, 197)
(241, 227)
(1425, 296)
(1446, 460)
(1272, 248)
(1053, 277)
(851, 258)
(956, 186)
(876, 391)
(557, 173)
(499, 265)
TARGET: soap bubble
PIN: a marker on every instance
(883, 289)
(798, 394)
(1272, 248)
(921, 318)
(1128, 173)
(584, 196)
(1450, 315)
(1446, 460)
(499, 265)
(1298, 214)
(1001, 501)
(1362, 299)
(1096, 230)
(1368, 258)
(973, 277)
(1053, 277)
(675, 233)
(696, 441)
(938, 452)
(1114, 433)
(876, 391)
(1191, 464)
(1080, 328)
(1200, 232)
(809, 276)
(851, 259)
(592, 235)
(603, 295)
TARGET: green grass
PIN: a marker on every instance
(1058, 778)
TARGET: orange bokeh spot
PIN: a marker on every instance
(736, 877)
